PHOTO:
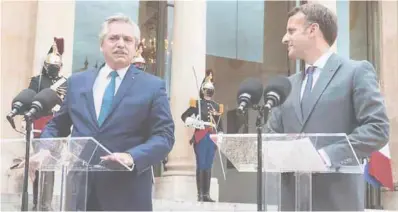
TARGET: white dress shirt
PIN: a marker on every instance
(319, 64)
(102, 81)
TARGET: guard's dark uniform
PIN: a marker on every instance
(49, 76)
(204, 146)
(40, 82)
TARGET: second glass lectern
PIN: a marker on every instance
(289, 162)
(72, 161)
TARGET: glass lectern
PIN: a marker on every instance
(300, 155)
(70, 159)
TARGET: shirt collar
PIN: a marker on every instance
(106, 70)
(321, 62)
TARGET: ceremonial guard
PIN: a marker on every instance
(49, 77)
(204, 115)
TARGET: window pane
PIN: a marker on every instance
(250, 31)
(221, 29)
(89, 16)
(364, 32)
(169, 45)
(235, 29)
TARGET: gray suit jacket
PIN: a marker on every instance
(345, 99)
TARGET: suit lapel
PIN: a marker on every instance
(88, 94)
(323, 81)
(296, 92)
(127, 82)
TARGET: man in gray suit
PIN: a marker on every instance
(333, 95)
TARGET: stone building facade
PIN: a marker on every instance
(234, 38)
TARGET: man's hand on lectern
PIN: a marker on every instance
(35, 161)
(121, 157)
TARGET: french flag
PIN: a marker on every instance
(378, 170)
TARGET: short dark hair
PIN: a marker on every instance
(323, 16)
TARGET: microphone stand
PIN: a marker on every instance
(263, 112)
(24, 206)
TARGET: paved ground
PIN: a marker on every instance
(12, 203)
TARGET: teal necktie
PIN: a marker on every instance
(108, 98)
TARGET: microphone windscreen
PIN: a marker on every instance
(25, 97)
(48, 99)
(253, 87)
(280, 85)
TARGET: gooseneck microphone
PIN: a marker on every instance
(249, 93)
(44, 101)
(20, 104)
(277, 91)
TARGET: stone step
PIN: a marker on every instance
(175, 205)
(12, 202)
(181, 188)
(180, 166)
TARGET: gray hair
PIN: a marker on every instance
(123, 19)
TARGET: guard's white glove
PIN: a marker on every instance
(200, 125)
(190, 122)
(194, 122)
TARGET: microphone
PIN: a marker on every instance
(44, 101)
(20, 104)
(277, 91)
(249, 93)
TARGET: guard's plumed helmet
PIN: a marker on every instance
(54, 55)
(207, 84)
(53, 62)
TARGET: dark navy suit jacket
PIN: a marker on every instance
(140, 123)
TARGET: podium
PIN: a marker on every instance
(295, 156)
(73, 162)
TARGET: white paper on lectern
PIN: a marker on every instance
(290, 156)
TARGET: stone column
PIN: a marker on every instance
(54, 19)
(188, 52)
(18, 23)
(389, 86)
(17, 37)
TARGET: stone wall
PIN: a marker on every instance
(389, 76)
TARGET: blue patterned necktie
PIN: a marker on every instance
(305, 100)
(108, 98)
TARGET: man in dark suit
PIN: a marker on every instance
(127, 111)
(332, 95)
